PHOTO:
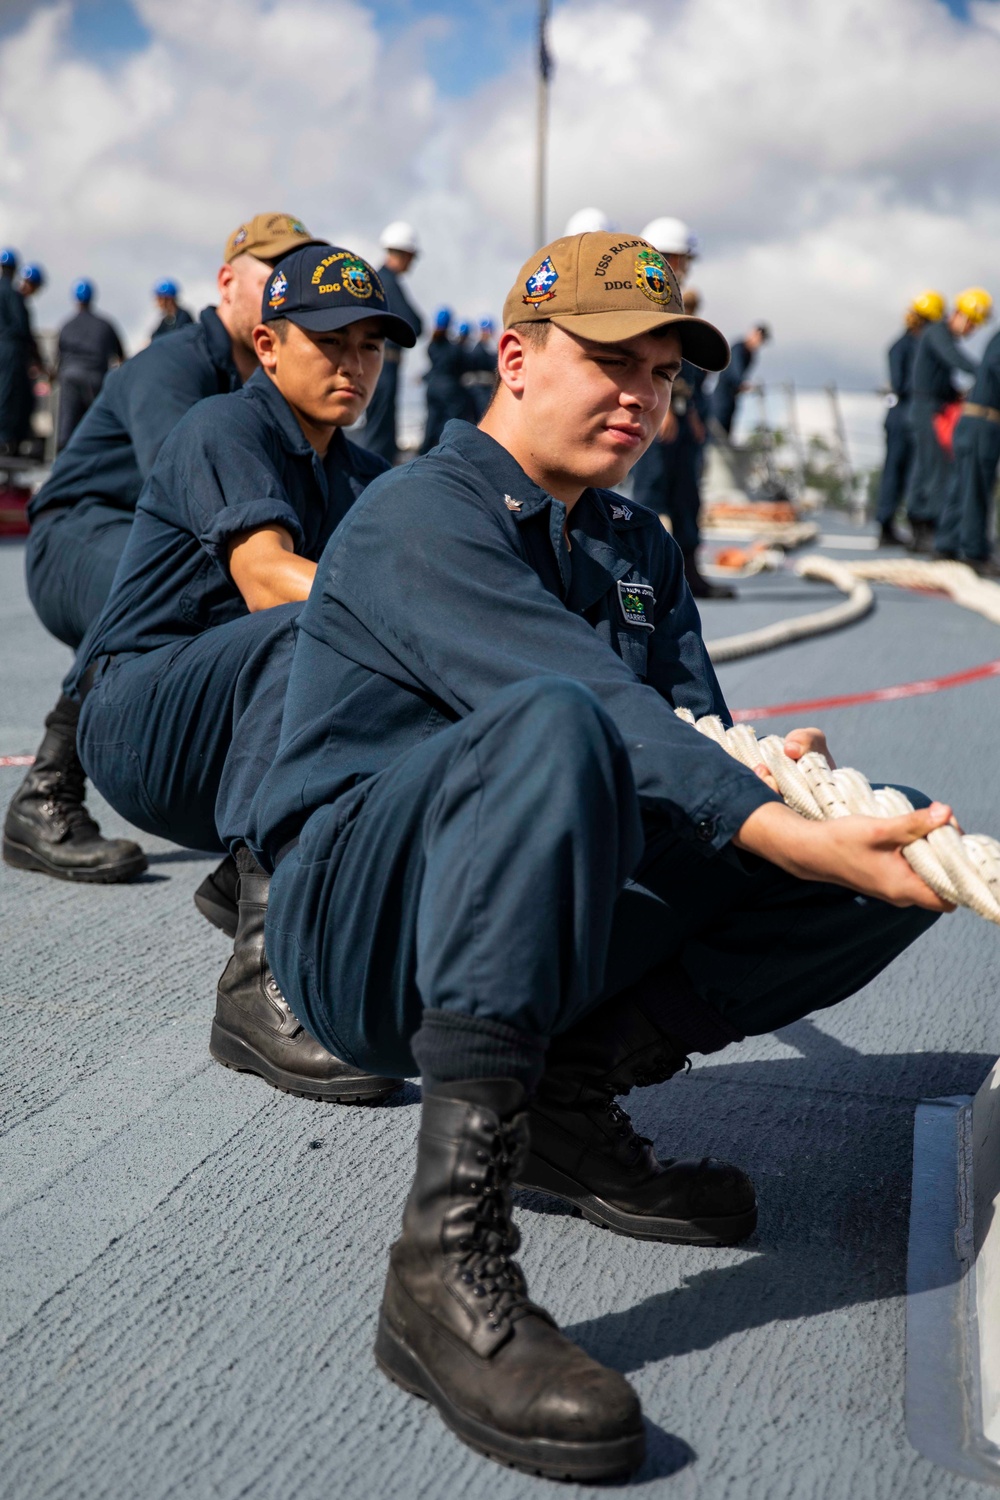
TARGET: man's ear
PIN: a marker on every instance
(266, 346)
(225, 279)
(512, 354)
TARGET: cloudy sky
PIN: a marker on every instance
(833, 158)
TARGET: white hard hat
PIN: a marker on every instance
(400, 236)
(671, 237)
(589, 221)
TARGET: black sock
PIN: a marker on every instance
(667, 996)
(65, 715)
(451, 1046)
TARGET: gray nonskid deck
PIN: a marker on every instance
(190, 1264)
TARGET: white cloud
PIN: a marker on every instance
(833, 158)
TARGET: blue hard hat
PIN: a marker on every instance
(442, 318)
(486, 325)
(33, 275)
(8, 258)
(84, 291)
(166, 288)
(464, 329)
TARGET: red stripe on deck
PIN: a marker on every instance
(877, 695)
(805, 705)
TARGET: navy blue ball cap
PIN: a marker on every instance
(324, 287)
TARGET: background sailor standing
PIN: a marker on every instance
(80, 522)
(927, 308)
(88, 347)
(480, 376)
(380, 432)
(937, 360)
(667, 477)
(172, 315)
(966, 521)
(446, 397)
(732, 382)
(17, 357)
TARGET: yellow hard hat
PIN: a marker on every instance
(975, 303)
(929, 305)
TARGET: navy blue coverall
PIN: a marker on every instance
(379, 434)
(668, 475)
(17, 349)
(483, 805)
(183, 716)
(181, 319)
(898, 435)
(964, 526)
(446, 397)
(937, 357)
(727, 387)
(82, 515)
(480, 376)
(88, 344)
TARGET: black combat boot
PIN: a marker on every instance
(216, 897)
(922, 539)
(457, 1326)
(254, 1030)
(585, 1151)
(889, 537)
(48, 827)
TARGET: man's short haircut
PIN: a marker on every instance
(534, 334)
(280, 328)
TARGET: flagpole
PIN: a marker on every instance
(541, 143)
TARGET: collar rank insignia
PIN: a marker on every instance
(620, 513)
(637, 604)
(511, 504)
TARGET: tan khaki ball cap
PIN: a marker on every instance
(609, 287)
(269, 237)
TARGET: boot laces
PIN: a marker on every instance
(630, 1142)
(63, 791)
(487, 1264)
(274, 993)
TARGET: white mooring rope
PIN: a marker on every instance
(960, 582)
(860, 600)
(962, 868)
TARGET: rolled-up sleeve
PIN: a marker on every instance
(228, 483)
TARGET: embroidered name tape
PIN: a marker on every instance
(637, 603)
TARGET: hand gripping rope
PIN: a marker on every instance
(962, 868)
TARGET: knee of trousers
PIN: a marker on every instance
(559, 722)
(45, 588)
(554, 756)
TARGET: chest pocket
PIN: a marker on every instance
(633, 647)
(633, 608)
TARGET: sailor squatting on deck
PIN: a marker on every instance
(500, 859)
(80, 521)
(183, 674)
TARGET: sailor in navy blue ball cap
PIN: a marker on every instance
(231, 522)
(322, 288)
